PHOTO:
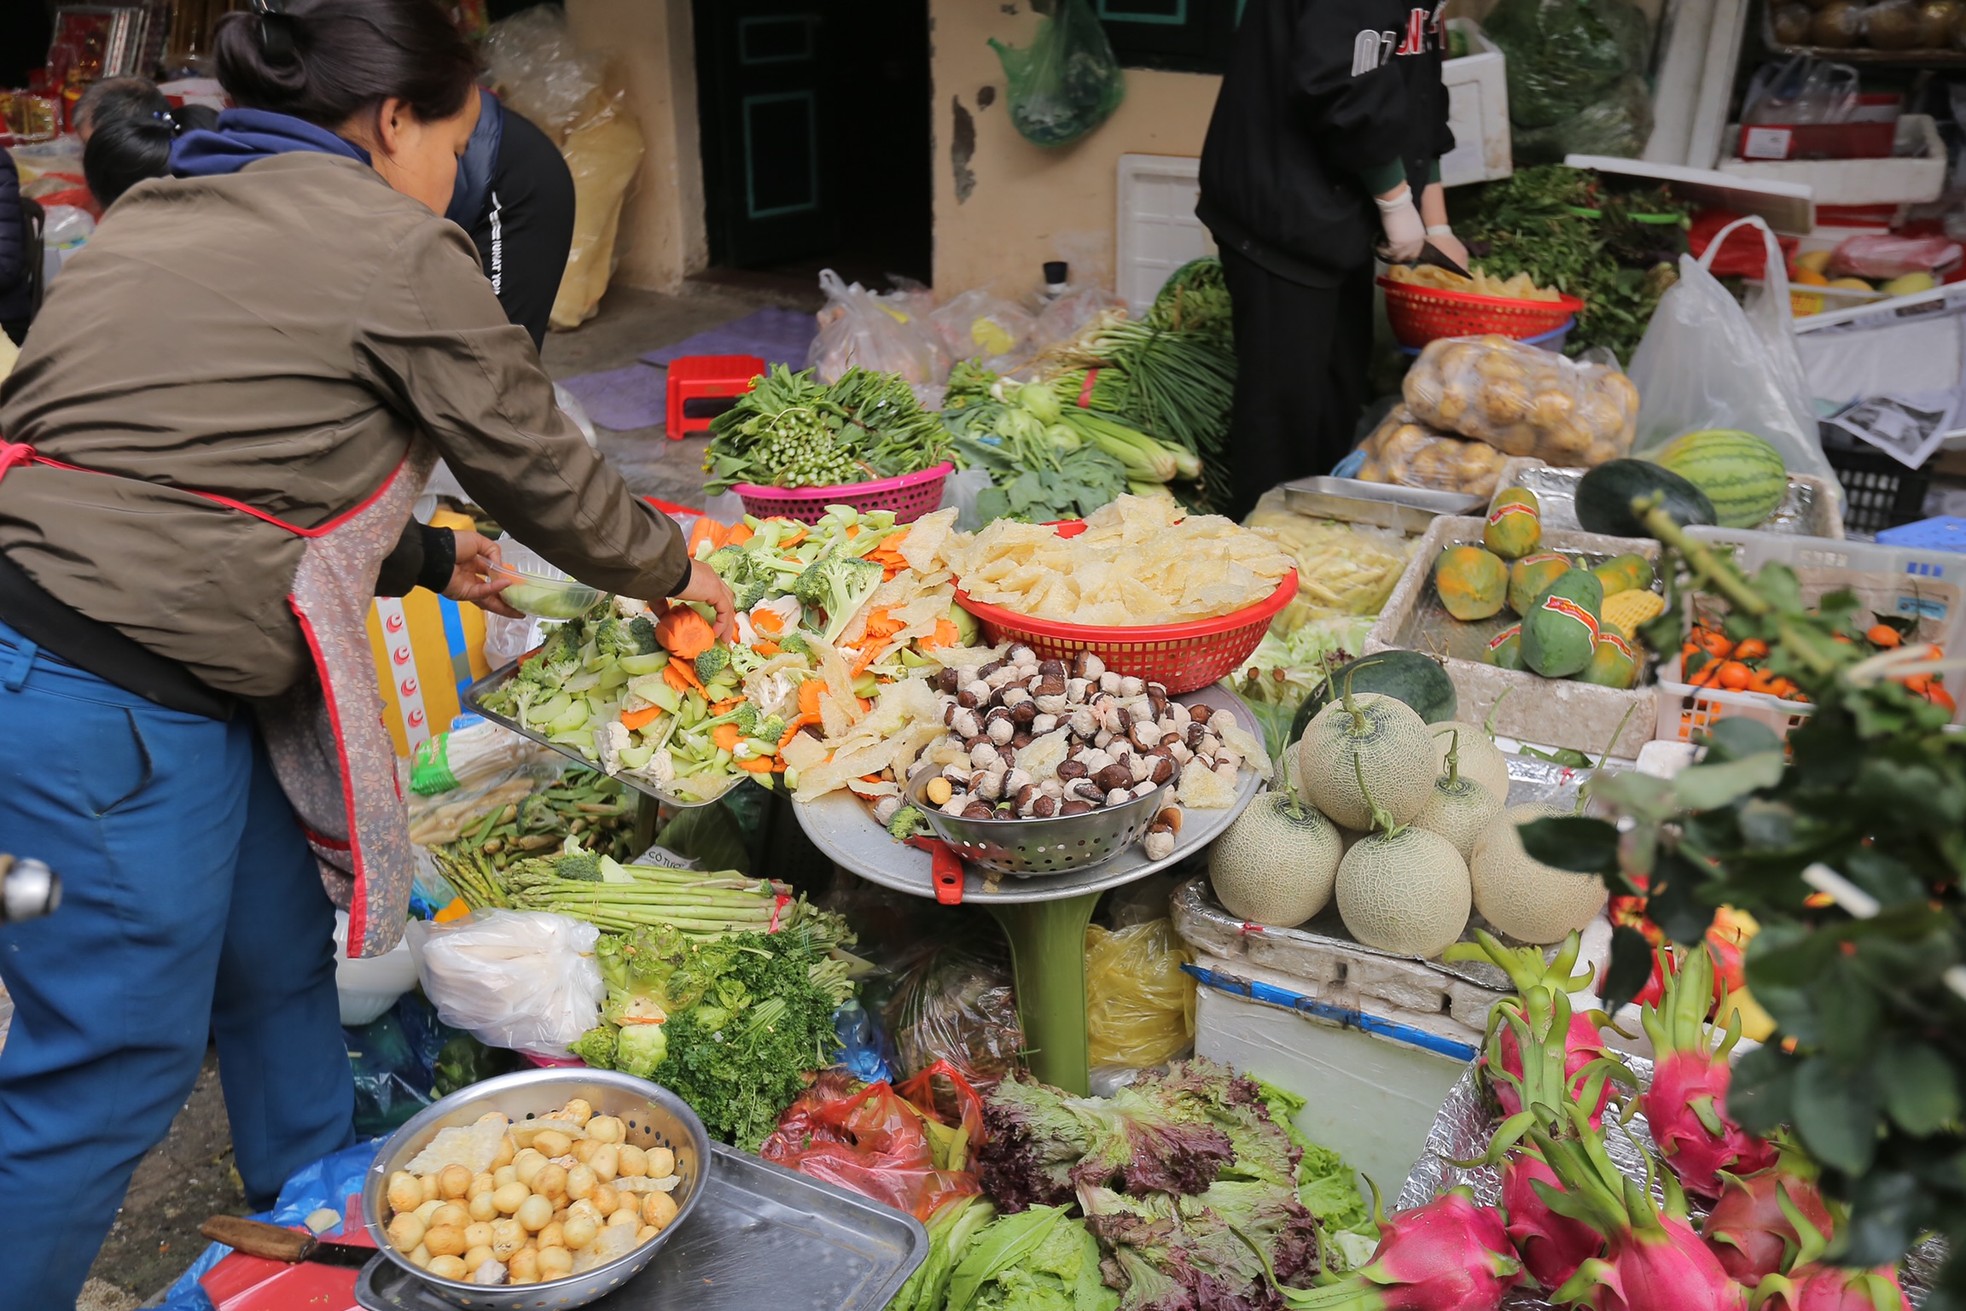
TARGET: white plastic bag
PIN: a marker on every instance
(985, 328)
(523, 980)
(1706, 362)
(883, 333)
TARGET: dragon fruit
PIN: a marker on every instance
(1686, 1104)
(1551, 1246)
(1756, 1226)
(1832, 1288)
(1538, 983)
(1653, 1261)
(1450, 1255)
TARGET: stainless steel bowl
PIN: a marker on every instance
(655, 1117)
(1058, 845)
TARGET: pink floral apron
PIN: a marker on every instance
(326, 738)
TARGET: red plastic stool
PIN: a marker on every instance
(696, 377)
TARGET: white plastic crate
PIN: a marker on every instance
(1916, 176)
(1477, 110)
(1888, 580)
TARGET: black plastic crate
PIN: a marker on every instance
(1878, 492)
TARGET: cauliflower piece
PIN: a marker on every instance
(610, 740)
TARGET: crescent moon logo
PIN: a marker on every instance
(394, 623)
(407, 687)
(416, 719)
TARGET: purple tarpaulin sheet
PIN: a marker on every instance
(779, 336)
(622, 399)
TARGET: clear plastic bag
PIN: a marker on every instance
(1404, 451)
(956, 1004)
(1709, 362)
(1801, 90)
(603, 151)
(1564, 55)
(518, 979)
(983, 328)
(1067, 81)
(1523, 401)
(532, 59)
(1068, 314)
(1140, 1002)
(887, 334)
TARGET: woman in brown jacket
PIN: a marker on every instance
(211, 446)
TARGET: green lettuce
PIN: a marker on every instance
(1036, 1260)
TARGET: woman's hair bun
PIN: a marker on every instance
(326, 61)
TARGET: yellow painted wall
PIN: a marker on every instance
(1004, 206)
(651, 47)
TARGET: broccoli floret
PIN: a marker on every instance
(596, 1047)
(727, 560)
(906, 823)
(642, 629)
(747, 592)
(838, 585)
(712, 662)
(640, 1049)
(582, 865)
(796, 644)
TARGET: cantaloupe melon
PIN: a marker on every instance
(1406, 892)
(1523, 898)
(1461, 809)
(1481, 759)
(1276, 864)
(1377, 736)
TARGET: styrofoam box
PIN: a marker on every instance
(1477, 110)
(1916, 176)
(1158, 230)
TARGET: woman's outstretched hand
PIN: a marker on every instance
(471, 580)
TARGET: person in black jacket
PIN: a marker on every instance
(1325, 144)
(16, 280)
(514, 196)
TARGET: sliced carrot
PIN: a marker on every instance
(809, 698)
(642, 718)
(865, 704)
(792, 730)
(726, 736)
(705, 530)
(740, 533)
(797, 535)
(758, 765)
(679, 675)
(946, 634)
(768, 649)
(767, 621)
(870, 651)
(725, 707)
(853, 530)
(684, 633)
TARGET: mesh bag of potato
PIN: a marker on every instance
(1405, 451)
(1523, 401)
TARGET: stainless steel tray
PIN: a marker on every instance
(761, 1237)
(1809, 509)
(1408, 509)
(843, 828)
(474, 701)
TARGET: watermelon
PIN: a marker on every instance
(1605, 494)
(1408, 676)
(1739, 472)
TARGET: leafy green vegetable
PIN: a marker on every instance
(1037, 1260)
(1326, 1185)
(951, 1230)
(790, 431)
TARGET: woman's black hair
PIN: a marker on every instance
(130, 126)
(327, 61)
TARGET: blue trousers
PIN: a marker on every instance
(191, 909)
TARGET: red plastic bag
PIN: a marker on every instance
(870, 1140)
(1743, 255)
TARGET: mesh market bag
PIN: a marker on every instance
(1523, 401)
(1402, 450)
(1708, 362)
(1067, 81)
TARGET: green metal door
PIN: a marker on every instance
(761, 83)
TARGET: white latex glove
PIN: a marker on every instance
(1406, 235)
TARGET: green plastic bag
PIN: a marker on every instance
(1067, 81)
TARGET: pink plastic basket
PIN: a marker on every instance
(910, 496)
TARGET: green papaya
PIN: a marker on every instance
(1614, 661)
(1515, 523)
(1504, 650)
(1472, 582)
(1531, 576)
(1624, 573)
(1560, 632)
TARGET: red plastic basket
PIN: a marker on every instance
(1422, 314)
(910, 496)
(1181, 657)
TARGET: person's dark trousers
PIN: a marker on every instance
(192, 908)
(1301, 359)
(527, 228)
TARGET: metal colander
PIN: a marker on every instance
(1058, 845)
